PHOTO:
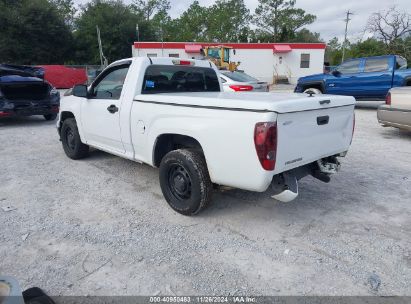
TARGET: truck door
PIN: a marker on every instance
(376, 78)
(345, 79)
(100, 113)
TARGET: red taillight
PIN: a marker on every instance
(4, 114)
(182, 62)
(265, 140)
(241, 88)
(388, 99)
(55, 109)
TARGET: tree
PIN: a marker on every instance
(390, 26)
(67, 10)
(280, 19)
(149, 8)
(33, 33)
(228, 21)
(117, 25)
(192, 25)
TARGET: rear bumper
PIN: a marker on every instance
(10, 108)
(394, 117)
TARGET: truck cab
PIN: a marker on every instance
(362, 78)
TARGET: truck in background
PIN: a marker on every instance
(363, 78)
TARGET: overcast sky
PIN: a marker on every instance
(330, 13)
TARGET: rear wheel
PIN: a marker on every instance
(70, 138)
(51, 116)
(313, 91)
(185, 181)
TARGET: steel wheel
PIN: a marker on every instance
(179, 182)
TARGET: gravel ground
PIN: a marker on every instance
(100, 226)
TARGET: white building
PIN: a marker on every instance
(264, 61)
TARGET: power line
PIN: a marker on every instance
(347, 19)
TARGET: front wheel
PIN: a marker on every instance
(313, 91)
(185, 181)
(70, 138)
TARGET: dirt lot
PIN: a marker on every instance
(100, 226)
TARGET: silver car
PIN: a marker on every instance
(241, 82)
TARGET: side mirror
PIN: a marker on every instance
(80, 90)
(336, 73)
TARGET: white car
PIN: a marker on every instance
(397, 109)
(241, 82)
(171, 113)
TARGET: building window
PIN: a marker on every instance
(152, 55)
(305, 61)
(174, 55)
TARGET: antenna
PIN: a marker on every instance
(347, 19)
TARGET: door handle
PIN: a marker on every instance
(323, 120)
(112, 109)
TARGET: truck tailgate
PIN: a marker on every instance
(306, 136)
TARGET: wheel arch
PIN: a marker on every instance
(168, 142)
(314, 84)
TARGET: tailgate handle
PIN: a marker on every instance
(322, 120)
(326, 101)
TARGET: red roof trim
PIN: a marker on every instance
(181, 45)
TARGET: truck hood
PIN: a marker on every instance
(21, 70)
(257, 102)
(19, 79)
(315, 77)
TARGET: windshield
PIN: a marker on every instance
(177, 78)
(239, 76)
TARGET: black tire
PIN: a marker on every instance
(51, 116)
(185, 181)
(72, 145)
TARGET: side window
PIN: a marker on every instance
(349, 67)
(305, 61)
(111, 85)
(376, 65)
(400, 63)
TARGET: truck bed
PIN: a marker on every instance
(256, 102)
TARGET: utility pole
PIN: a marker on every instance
(347, 19)
(138, 40)
(103, 59)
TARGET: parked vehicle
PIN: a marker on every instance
(171, 113)
(363, 78)
(397, 109)
(24, 92)
(241, 82)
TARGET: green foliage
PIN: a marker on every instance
(367, 48)
(279, 20)
(149, 8)
(117, 25)
(33, 32)
(66, 10)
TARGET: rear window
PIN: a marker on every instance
(376, 65)
(239, 76)
(177, 78)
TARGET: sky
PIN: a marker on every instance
(330, 13)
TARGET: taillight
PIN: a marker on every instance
(4, 114)
(388, 99)
(55, 109)
(182, 62)
(265, 140)
(241, 88)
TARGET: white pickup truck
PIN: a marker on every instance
(172, 114)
